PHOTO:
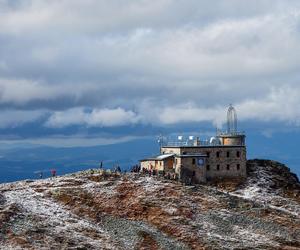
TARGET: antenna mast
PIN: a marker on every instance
(231, 120)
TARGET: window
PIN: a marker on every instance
(228, 154)
(208, 154)
(201, 162)
(228, 167)
(218, 154)
(184, 153)
(207, 167)
(175, 161)
(194, 161)
(218, 167)
(238, 166)
(238, 154)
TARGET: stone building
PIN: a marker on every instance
(192, 160)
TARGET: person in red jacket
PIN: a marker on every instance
(53, 172)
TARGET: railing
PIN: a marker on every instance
(185, 143)
(231, 133)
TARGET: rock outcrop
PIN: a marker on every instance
(100, 210)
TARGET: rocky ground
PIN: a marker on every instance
(101, 210)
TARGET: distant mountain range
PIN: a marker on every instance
(21, 161)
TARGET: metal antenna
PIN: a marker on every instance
(231, 120)
(160, 140)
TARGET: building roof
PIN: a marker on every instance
(159, 157)
(166, 156)
(207, 146)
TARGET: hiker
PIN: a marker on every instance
(53, 172)
(133, 169)
(117, 169)
(136, 169)
(101, 164)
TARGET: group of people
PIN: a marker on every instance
(154, 172)
(117, 169)
(41, 173)
(136, 169)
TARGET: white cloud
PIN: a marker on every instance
(20, 92)
(17, 118)
(90, 16)
(67, 141)
(192, 114)
(94, 118)
(281, 104)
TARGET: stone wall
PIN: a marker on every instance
(158, 165)
(187, 170)
(231, 162)
(221, 161)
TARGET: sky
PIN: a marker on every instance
(79, 72)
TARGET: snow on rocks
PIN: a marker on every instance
(96, 210)
(262, 188)
(46, 213)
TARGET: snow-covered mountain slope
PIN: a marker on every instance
(99, 210)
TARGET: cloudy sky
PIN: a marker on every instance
(74, 68)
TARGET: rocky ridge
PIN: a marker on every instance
(102, 210)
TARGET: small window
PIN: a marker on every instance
(208, 154)
(207, 167)
(176, 161)
(194, 161)
(218, 154)
(238, 166)
(228, 167)
(228, 154)
(184, 153)
(238, 154)
(218, 167)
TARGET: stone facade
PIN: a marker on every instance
(158, 164)
(196, 164)
(219, 161)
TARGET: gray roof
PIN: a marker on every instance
(159, 157)
(166, 156)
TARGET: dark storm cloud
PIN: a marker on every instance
(114, 63)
